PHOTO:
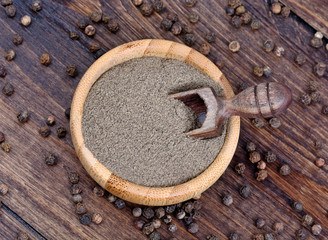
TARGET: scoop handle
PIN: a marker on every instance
(263, 100)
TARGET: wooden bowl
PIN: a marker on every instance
(126, 190)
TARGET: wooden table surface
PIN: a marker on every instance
(39, 199)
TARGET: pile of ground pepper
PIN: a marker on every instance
(135, 129)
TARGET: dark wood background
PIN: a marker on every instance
(40, 195)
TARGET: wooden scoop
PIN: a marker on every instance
(264, 100)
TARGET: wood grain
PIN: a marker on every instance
(40, 194)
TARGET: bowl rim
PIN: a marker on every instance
(152, 196)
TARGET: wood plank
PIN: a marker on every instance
(313, 13)
(40, 194)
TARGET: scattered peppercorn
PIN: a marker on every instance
(324, 110)
(320, 162)
(45, 59)
(99, 53)
(230, 11)
(270, 157)
(80, 209)
(245, 191)
(189, 39)
(51, 160)
(172, 228)
(276, 8)
(275, 122)
(181, 214)
(205, 49)
(5, 147)
(36, 5)
(285, 11)
(8, 89)
(187, 220)
(26, 20)
(71, 70)
(259, 122)
(279, 51)
(190, 3)
(90, 30)
(188, 207)
(119, 204)
(258, 237)
(96, 16)
(233, 236)
(172, 16)
(234, 46)
(3, 71)
(73, 177)
(193, 17)
(98, 191)
(255, 24)
(10, 55)
(111, 198)
(44, 131)
(313, 86)
(155, 236)
(210, 37)
(17, 39)
(5, 3)
(106, 18)
(2, 137)
(305, 99)
(148, 213)
(113, 26)
(156, 223)
(316, 42)
(236, 21)
(137, 212)
(176, 28)
(240, 10)
(278, 227)
(298, 207)
(148, 228)
(211, 237)
(50, 121)
(246, 18)
(300, 59)
(166, 24)
(193, 228)
(269, 236)
(170, 209)
(137, 3)
(268, 45)
(319, 69)
(315, 97)
(167, 219)
(10, 11)
(159, 212)
(139, 224)
(219, 63)
(74, 35)
(77, 198)
(250, 147)
(22, 236)
(85, 219)
(23, 116)
(261, 165)
(284, 170)
(234, 3)
(82, 23)
(258, 71)
(61, 132)
(94, 47)
(158, 6)
(76, 189)
(307, 220)
(97, 218)
(254, 157)
(261, 175)
(3, 189)
(240, 168)
(301, 234)
(259, 223)
(316, 229)
(227, 200)
(146, 9)
(267, 71)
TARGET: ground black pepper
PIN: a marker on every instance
(10, 11)
(85, 219)
(146, 9)
(44, 131)
(51, 160)
(17, 39)
(10, 55)
(45, 59)
(71, 70)
(113, 26)
(240, 168)
(245, 191)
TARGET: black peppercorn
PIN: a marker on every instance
(51, 160)
(113, 26)
(316, 42)
(210, 37)
(301, 234)
(170, 209)
(254, 157)
(71, 70)
(246, 18)
(227, 200)
(259, 122)
(240, 168)
(234, 3)
(98, 191)
(316, 229)
(159, 212)
(298, 207)
(50, 121)
(205, 49)
(77, 198)
(319, 69)
(195, 215)
(261, 165)
(68, 113)
(172, 228)
(2, 137)
(259, 223)
(139, 224)
(167, 219)
(270, 157)
(258, 71)
(211, 237)
(315, 97)
(148, 213)
(313, 86)
(245, 191)
(85, 219)
(137, 3)
(285, 11)
(76, 189)
(111, 198)
(181, 214)
(73, 177)
(324, 110)
(146, 9)
(230, 11)
(255, 24)
(236, 21)
(234, 46)
(190, 3)
(188, 207)
(307, 220)
(44, 131)
(193, 17)
(23, 116)
(96, 16)
(137, 212)
(148, 228)
(166, 24)
(176, 28)
(155, 236)
(189, 39)
(105, 18)
(10, 55)
(268, 45)
(172, 16)
(158, 6)
(258, 237)
(94, 47)
(267, 71)
(6, 2)
(26, 20)
(36, 5)
(261, 175)
(3, 71)
(269, 236)
(197, 205)
(119, 204)
(300, 59)
(193, 228)
(5, 147)
(80, 209)
(74, 35)
(90, 30)
(275, 122)
(284, 170)
(188, 220)
(61, 132)
(17, 39)
(278, 227)
(99, 53)
(156, 223)
(250, 147)
(45, 59)
(234, 236)
(82, 23)
(10, 11)
(240, 10)
(3, 189)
